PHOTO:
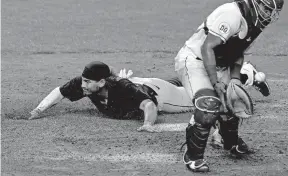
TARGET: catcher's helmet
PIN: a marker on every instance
(265, 12)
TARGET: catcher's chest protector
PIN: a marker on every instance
(235, 47)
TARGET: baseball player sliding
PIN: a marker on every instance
(123, 96)
(119, 97)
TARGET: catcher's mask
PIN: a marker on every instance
(266, 11)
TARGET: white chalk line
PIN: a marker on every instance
(161, 127)
(132, 157)
(174, 127)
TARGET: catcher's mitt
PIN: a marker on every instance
(238, 101)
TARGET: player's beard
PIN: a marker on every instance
(86, 92)
(102, 92)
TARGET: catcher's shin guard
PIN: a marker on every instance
(239, 149)
(229, 132)
(196, 140)
(197, 133)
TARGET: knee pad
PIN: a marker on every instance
(207, 107)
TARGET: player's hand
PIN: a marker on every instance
(123, 73)
(34, 114)
(221, 90)
(148, 128)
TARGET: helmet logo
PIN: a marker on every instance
(224, 28)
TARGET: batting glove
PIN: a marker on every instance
(34, 114)
(123, 73)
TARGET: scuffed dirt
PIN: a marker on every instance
(46, 43)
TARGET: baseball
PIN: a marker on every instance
(260, 77)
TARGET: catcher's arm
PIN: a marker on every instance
(51, 99)
(236, 68)
(209, 61)
(150, 115)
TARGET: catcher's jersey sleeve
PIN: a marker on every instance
(224, 22)
(72, 89)
(224, 25)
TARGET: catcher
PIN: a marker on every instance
(210, 60)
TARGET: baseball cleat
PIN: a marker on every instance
(239, 149)
(199, 165)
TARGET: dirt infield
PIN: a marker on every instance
(46, 43)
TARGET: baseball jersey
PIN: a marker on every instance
(124, 97)
(225, 22)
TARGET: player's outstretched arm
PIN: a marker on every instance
(51, 99)
(150, 116)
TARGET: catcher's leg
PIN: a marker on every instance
(194, 78)
(217, 142)
(228, 129)
(197, 132)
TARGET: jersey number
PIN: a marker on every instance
(224, 28)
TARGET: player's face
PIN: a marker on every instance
(90, 86)
(264, 12)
